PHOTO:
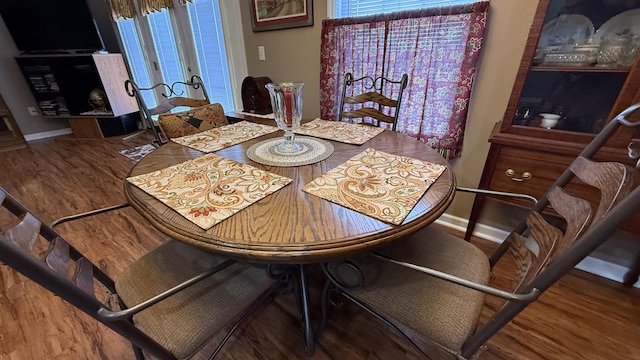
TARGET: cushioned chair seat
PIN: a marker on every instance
(186, 321)
(451, 311)
(192, 121)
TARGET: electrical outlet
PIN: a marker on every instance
(261, 55)
(33, 111)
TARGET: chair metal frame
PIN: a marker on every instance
(120, 321)
(595, 235)
(173, 98)
(374, 94)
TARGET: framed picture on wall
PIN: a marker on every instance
(280, 14)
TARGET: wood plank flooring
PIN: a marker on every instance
(581, 317)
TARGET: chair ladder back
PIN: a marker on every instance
(83, 276)
(369, 97)
(50, 269)
(577, 212)
(368, 112)
(523, 258)
(546, 237)
(42, 244)
(596, 234)
(57, 259)
(57, 256)
(371, 102)
(588, 152)
(25, 232)
(170, 103)
(614, 180)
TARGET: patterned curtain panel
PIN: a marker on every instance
(126, 9)
(149, 6)
(438, 48)
(122, 9)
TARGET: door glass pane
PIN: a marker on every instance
(208, 37)
(582, 99)
(135, 58)
(164, 41)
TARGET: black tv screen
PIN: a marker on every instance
(50, 25)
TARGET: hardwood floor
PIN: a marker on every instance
(581, 317)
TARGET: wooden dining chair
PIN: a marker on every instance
(431, 286)
(169, 304)
(373, 101)
(201, 115)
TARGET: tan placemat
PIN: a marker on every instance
(381, 185)
(210, 188)
(313, 150)
(339, 131)
(224, 136)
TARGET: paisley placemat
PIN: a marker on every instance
(209, 189)
(313, 150)
(224, 136)
(381, 185)
(339, 131)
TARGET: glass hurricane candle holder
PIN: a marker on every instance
(286, 101)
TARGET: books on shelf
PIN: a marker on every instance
(44, 83)
(51, 82)
(37, 81)
(48, 107)
(55, 107)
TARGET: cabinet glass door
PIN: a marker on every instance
(581, 65)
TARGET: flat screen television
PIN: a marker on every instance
(44, 26)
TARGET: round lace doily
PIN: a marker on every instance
(313, 150)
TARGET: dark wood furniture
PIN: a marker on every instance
(61, 84)
(10, 135)
(255, 96)
(525, 157)
(291, 226)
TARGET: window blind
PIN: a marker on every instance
(350, 8)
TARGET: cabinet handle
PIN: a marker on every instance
(525, 175)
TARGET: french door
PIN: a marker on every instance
(174, 44)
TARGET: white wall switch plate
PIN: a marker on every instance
(261, 54)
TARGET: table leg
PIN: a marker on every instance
(302, 296)
(295, 278)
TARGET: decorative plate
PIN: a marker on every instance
(624, 24)
(566, 31)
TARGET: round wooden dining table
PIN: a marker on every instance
(291, 226)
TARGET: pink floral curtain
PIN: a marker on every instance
(438, 48)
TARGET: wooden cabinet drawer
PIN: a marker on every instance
(544, 169)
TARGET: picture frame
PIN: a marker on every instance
(280, 14)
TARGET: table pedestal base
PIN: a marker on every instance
(296, 281)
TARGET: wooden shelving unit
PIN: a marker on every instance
(61, 84)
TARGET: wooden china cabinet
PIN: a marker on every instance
(580, 62)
